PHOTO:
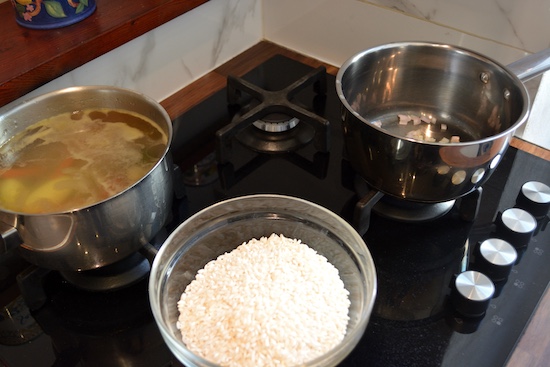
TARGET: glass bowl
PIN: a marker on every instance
(223, 226)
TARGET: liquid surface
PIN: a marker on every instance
(426, 127)
(77, 159)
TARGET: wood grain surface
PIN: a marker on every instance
(533, 350)
(30, 58)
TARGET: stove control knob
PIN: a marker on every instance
(516, 226)
(534, 197)
(471, 293)
(495, 258)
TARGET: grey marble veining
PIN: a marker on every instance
(175, 54)
(522, 24)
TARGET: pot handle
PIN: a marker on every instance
(149, 252)
(531, 66)
(9, 238)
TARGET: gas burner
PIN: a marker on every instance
(262, 141)
(393, 208)
(271, 123)
(407, 211)
(120, 275)
(276, 123)
(372, 200)
(114, 276)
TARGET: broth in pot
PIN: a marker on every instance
(77, 159)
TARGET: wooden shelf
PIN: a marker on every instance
(31, 58)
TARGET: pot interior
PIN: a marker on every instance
(118, 160)
(14, 119)
(441, 91)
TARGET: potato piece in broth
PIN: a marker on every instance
(76, 159)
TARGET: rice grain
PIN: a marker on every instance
(269, 302)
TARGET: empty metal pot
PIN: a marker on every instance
(430, 122)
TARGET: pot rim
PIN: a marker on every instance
(13, 108)
(522, 118)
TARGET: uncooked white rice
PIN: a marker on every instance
(270, 302)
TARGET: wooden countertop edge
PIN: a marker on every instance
(534, 347)
(530, 148)
(32, 57)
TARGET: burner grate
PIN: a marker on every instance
(262, 124)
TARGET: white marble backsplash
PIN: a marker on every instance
(173, 55)
(521, 24)
(334, 30)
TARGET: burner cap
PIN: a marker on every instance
(264, 141)
(276, 122)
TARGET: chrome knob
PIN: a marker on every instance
(471, 293)
(534, 197)
(516, 226)
(495, 258)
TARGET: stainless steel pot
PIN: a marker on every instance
(452, 90)
(101, 234)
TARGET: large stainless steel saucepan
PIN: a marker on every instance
(430, 122)
(101, 234)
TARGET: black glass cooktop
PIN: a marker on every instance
(413, 323)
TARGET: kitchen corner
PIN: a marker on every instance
(173, 58)
(159, 47)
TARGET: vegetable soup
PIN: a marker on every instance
(77, 159)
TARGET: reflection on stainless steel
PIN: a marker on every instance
(443, 83)
(17, 326)
(106, 232)
(531, 66)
